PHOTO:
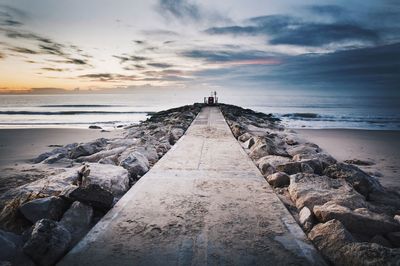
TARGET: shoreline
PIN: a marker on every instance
(19, 145)
(380, 148)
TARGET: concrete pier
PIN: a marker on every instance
(203, 203)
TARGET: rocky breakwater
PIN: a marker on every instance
(346, 213)
(41, 220)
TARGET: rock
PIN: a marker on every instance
(397, 218)
(278, 179)
(44, 208)
(380, 240)
(360, 254)
(360, 181)
(55, 154)
(122, 143)
(101, 154)
(359, 162)
(148, 151)
(360, 221)
(54, 158)
(87, 148)
(175, 134)
(290, 168)
(306, 218)
(337, 245)
(249, 143)
(92, 195)
(394, 238)
(268, 163)
(245, 137)
(310, 189)
(162, 148)
(136, 164)
(265, 146)
(47, 243)
(237, 130)
(305, 149)
(9, 244)
(77, 220)
(94, 127)
(329, 238)
(113, 160)
(114, 179)
(42, 157)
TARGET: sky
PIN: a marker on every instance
(54, 45)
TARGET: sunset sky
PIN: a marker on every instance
(102, 44)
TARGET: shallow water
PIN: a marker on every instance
(111, 110)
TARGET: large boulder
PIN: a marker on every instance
(266, 146)
(360, 181)
(47, 243)
(237, 130)
(148, 151)
(311, 189)
(114, 179)
(175, 134)
(55, 154)
(304, 149)
(44, 208)
(77, 220)
(267, 164)
(136, 164)
(89, 148)
(339, 247)
(359, 221)
(329, 238)
(92, 195)
(278, 179)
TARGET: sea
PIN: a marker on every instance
(115, 110)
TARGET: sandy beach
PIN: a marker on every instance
(20, 145)
(382, 148)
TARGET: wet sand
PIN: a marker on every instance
(380, 147)
(20, 145)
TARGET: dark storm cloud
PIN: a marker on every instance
(160, 65)
(356, 69)
(290, 30)
(226, 56)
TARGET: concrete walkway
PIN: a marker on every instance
(203, 203)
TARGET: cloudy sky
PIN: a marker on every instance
(102, 44)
